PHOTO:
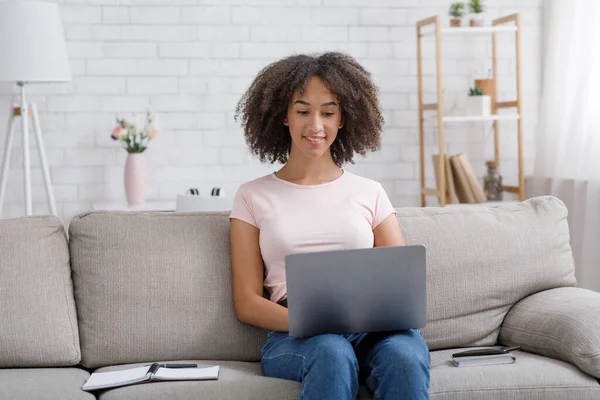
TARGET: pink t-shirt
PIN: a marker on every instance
(294, 218)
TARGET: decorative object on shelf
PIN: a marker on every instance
(32, 50)
(216, 192)
(457, 11)
(431, 29)
(492, 182)
(449, 186)
(478, 103)
(489, 88)
(476, 7)
(468, 188)
(135, 136)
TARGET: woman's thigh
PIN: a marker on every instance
(384, 348)
(286, 357)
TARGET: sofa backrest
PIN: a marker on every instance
(156, 286)
(481, 260)
(38, 322)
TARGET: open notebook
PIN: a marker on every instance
(105, 380)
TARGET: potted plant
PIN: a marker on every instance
(478, 103)
(457, 11)
(476, 7)
(135, 136)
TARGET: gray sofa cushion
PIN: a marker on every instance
(37, 310)
(154, 286)
(237, 380)
(531, 377)
(482, 260)
(562, 323)
(43, 384)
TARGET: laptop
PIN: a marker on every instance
(356, 291)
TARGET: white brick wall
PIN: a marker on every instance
(192, 59)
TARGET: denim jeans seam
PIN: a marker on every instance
(286, 354)
(374, 372)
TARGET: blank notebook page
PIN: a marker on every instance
(100, 379)
(187, 373)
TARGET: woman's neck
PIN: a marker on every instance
(306, 171)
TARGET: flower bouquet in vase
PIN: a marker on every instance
(135, 135)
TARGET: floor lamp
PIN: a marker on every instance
(32, 49)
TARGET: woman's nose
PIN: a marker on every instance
(316, 125)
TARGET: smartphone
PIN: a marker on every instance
(485, 352)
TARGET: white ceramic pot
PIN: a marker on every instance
(479, 105)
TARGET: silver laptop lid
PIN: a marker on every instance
(356, 291)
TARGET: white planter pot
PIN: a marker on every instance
(479, 105)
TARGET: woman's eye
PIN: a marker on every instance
(328, 114)
(303, 112)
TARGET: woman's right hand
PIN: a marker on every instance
(248, 280)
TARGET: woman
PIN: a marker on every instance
(313, 114)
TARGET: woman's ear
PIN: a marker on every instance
(285, 121)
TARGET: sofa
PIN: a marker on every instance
(117, 289)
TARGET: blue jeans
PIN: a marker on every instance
(394, 365)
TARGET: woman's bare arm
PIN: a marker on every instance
(387, 233)
(250, 305)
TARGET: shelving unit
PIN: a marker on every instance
(508, 24)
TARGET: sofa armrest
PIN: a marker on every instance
(561, 323)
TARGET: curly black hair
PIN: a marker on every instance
(264, 106)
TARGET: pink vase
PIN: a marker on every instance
(135, 179)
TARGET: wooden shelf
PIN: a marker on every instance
(432, 28)
(468, 30)
(478, 118)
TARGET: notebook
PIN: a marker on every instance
(105, 380)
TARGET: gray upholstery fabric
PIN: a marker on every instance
(531, 377)
(237, 380)
(154, 286)
(482, 260)
(43, 384)
(37, 310)
(561, 323)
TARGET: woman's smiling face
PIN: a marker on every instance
(314, 118)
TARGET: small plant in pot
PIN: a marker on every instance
(478, 103)
(457, 11)
(476, 91)
(476, 7)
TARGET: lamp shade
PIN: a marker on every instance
(32, 43)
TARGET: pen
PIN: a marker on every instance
(152, 370)
(177, 365)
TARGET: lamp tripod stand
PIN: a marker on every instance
(25, 110)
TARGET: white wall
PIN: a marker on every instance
(192, 60)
